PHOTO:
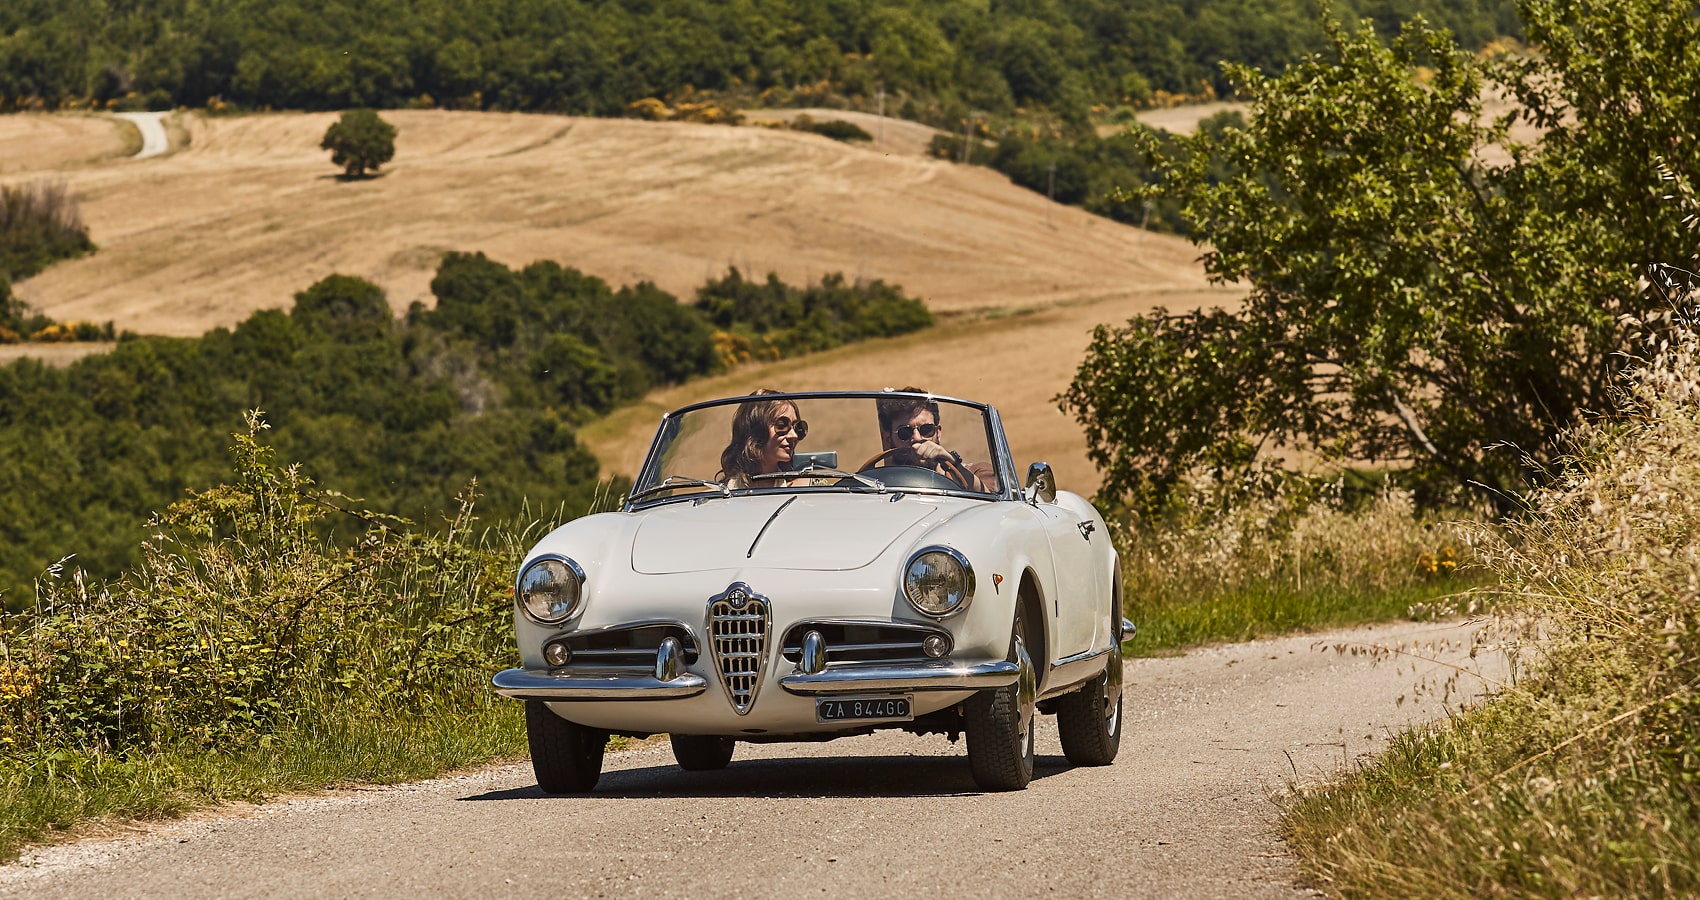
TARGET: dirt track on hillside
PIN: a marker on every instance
(1187, 810)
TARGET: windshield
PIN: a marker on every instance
(791, 442)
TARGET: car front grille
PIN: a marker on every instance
(850, 641)
(630, 646)
(737, 629)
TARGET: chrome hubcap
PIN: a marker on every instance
(1026, 692)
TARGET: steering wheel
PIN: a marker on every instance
(951, 470)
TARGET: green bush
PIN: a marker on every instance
(819, 317)
(837, 129)
(39, 224)
(491, 384)
(247, 616)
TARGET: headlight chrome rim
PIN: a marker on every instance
(964, 570)
(524, 593)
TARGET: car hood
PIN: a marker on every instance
(800, 531)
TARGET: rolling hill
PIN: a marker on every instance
(248, 211)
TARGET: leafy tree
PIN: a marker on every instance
(360, 140)
(1422, 290)
(947, 56)
(344, 307)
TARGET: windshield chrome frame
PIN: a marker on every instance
(998, 443)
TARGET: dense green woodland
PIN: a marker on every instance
(937, 59)
(490, 384)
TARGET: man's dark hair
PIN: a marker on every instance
(892, 409)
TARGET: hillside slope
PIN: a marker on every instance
(251, 211)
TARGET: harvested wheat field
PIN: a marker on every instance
(250, 211)
(41, 144)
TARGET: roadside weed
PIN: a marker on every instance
(1240, 561)
(275, 637)
(1583, 778)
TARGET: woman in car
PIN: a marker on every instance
(765, 435)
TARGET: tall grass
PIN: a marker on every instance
(40, 223)
(1278, 554)
(256, 649)
(1582, 779)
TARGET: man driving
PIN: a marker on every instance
(910, 428)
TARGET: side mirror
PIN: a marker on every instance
(1041, 484)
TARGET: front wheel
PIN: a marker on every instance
(999, 726)
(1089, 720)
(701, 753)
(566, 757)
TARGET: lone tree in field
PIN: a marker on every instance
(359, 141)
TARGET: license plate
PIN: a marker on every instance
(863, 709)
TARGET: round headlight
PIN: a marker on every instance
(939, 582)
(549, 589)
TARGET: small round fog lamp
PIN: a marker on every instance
(935, 646)
(557, 653)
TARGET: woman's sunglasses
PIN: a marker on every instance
(906, 432)
(784, 424)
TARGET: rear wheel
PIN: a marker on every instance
(700, 753)
(566, 757)
(1089, 720)
(999, 726)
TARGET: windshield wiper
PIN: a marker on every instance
(673, 481)
(812, 469)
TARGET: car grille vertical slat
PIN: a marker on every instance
(738, 639)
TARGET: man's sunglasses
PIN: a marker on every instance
(784, 424)
(906, 432)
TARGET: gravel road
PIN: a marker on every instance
(1189, 809)
(152, 126)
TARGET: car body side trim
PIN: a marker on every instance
(1072, 671)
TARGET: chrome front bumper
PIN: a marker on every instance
(934, 675)
(551, 684)
(840, 678)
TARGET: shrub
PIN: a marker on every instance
(360, 140)
(800, 320)
(247, 616)
(343, 308)
(39, 224)
(837, 129)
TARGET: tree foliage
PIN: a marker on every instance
(358, 141)
(401, 412)
(937, 58)
(1422, 289)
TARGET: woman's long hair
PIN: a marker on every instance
(752, 427)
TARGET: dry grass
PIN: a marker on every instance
(1280, 554)
(250, 212)
(38, 143)
(1584, 778)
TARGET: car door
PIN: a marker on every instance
(1069, 599)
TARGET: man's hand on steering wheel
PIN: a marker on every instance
(928, 455)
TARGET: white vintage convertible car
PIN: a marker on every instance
(805, 566)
